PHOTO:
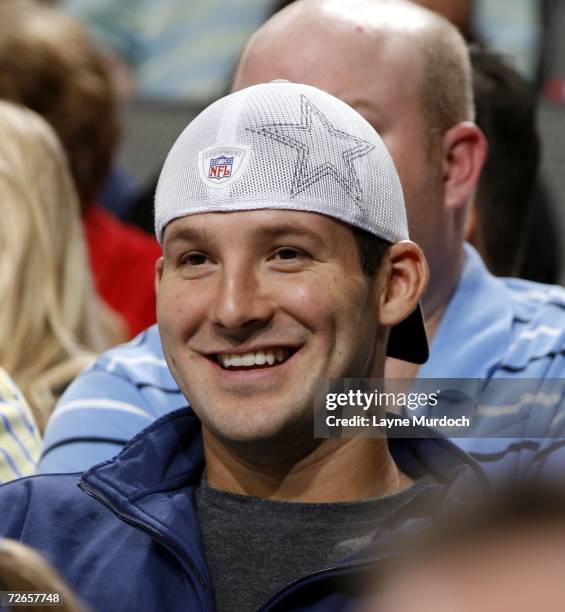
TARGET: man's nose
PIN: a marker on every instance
(241, 304)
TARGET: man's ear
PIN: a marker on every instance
(464, 153)
(406, 279)
(158, 272)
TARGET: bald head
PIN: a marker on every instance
(319, 41)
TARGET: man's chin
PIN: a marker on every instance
(265, 442)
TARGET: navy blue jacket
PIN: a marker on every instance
(125, 534)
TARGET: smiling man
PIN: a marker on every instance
(263, 293)
(288, 266)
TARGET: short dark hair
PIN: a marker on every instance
(447, 93)
(506, 113)
(372, 250)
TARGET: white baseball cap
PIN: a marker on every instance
(288, 146)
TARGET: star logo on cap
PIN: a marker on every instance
(322, 149)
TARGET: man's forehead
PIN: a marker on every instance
(262, 223)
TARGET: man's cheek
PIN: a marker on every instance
(163, 298)
(172, 306)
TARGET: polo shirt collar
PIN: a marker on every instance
(476, 327)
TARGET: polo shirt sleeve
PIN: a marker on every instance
(124, 391)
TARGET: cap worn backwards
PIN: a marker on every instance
(287, 146)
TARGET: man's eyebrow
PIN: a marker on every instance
(185, 234)
(280, 231)
(188, 234)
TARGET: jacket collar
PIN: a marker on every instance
(167, 458)
(151, 484)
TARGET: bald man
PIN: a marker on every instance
(407, 71)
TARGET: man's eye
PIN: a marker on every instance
(194, 259)
(288, 253)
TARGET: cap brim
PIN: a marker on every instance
(408, 340)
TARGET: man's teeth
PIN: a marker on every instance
(269, 356)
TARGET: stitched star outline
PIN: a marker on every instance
(312, 163)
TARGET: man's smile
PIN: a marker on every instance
(251, 359)
(252, 366)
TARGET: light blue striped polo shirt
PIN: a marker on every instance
(492, 328)
(497, 328)
(20, 442)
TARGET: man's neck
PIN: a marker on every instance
(335, 471)
(434, 306)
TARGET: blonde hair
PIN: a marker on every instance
(51, 322)
(23, 569)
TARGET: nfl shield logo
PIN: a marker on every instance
(220, 167)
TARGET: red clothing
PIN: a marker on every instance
(122, 259)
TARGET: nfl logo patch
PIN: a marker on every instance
(220, 167)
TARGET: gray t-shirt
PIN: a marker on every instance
(254, 547)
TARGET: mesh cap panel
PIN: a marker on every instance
(283, 146)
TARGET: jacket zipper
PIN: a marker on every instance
(326, 570)
(185, 561)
